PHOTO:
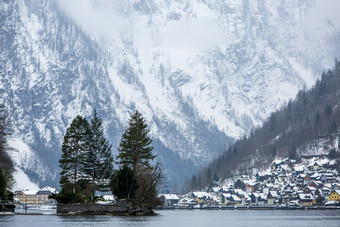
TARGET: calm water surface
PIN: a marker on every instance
(187, 218)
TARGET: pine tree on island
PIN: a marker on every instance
(74, 148)
(97, 163)
(135, 150)
(137, 179)
(86, 161)
(87, 164)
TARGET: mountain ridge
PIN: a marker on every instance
(306, 126)
(196, 96)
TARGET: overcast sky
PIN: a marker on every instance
(99, 20)
(324, 10)
(107, 21)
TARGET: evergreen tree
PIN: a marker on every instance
(6, 165)
(193, 182)
(2, 184)
(293, 154)
(216, 177)
(124, 183)
(98, 161)
(239, 184)
(186, 186)
(135, 148)
(135, 155)
(74, 148)
(320, 199)
(175, 188)
(209, 174)
(5, 131)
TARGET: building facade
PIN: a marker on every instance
(33, 198)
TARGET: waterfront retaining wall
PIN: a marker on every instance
(120, 208)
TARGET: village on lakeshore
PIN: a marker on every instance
(311, 182)
(93, 186)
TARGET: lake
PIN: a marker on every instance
(187, 218)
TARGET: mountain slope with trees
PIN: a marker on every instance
(6, 164)
(198, 88)
(5, 129)
(313, 116)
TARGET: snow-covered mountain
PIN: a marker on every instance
(202, 72)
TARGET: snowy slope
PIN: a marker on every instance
(201, 72)
(258, 53)
(23, 158)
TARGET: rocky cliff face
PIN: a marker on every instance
(201, 72)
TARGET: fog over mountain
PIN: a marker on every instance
(202, 73)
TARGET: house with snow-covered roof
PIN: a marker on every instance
(27, 197)
(276, 166)
(245, 199)
(261, 176)
(251, 187)
(315, 184)
(336, 186)
(254, 198)
(272, 197)
(200, 195)
(35, 197)
(43, 196)
(329, 177)
(262, 199)
(309, 190)
(334, 196)
(298, 169)
(169, 199)
(239, 192)
(314, 176)
(234, 200)
(224, 199)
(306, 200)
(331, 164)
(215, 191)
(302, 178)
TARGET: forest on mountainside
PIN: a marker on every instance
(313, 115)
(5, 130)
(6, 164)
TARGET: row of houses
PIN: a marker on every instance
(287, 183)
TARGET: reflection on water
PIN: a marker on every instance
(178, 218)
(35, 211)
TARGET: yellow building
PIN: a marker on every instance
(198, 200)
(334, 196)
(27, 197)
(33, 198)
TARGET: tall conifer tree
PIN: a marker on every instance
(135, 148)
(5, 131)
(98, 161)
(74, 148)
(140, 179)
(2, 183)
